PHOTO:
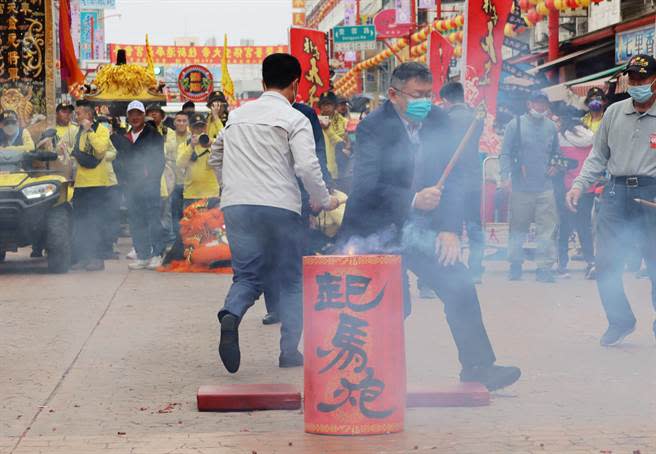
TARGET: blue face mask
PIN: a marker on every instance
(640, 93)
(418, 109)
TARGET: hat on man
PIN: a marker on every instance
(155, 108)
(642, 64)
(328, 98)
(197, 119)
(538, 96)
(136, 105)
(189, 105)
(8, 116)
(64, 106)
(216, 96)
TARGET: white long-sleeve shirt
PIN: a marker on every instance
(264, 146)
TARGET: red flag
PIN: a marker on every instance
(483, 60)
(439, 59)
(70, 70)
(310, 47)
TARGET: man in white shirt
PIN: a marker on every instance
(265, 145)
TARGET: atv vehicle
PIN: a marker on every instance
(35, 206)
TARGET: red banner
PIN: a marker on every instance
(196, 55)
(439, 59)
(311, 49)
(354, 345)
(483, 42)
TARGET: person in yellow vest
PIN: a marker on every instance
(596, 102)
(157, 115)
(334, 131)
(182, 135)
(200, 179)
(91, 182)
(218, 105)
(12, 136)
(112, 224)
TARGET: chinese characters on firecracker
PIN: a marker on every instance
(312, 75)
(347, 351)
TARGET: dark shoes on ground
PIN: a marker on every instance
(545, 275)
(271, 319)
(36, 254)
(515, 273)
(615, 334)
(492, 377)
(229, 343)
(293, 359)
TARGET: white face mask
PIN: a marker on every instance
(537, 115)
(10, 130)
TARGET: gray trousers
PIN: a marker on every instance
(524, 207)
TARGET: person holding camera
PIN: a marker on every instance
(530, 149)
(200, 180)
(92, 179)
(139, 167)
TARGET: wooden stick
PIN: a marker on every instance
(480, 116)
(645, 203)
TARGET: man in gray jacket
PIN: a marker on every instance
(265, 145)
(526, 157)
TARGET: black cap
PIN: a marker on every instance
(8, 115)
(595, 92)
(65, 106)
(538, 96)
(196, 119)
(216, 96)
(643, 65)
(82, 103)
(154, 108)
(189, 104)
(328, 98)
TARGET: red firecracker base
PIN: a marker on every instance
(461, 395)
(248, 398)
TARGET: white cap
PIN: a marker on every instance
(136, 105)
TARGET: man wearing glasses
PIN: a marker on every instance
(403, 148)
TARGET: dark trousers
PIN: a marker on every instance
(266, 244)
(112, 221)
(454, 286)
(621, 222)
(581, 222)
(177, 201)
(144, 215)
(475, 234)
(89, 206)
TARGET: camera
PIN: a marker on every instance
(204, 140)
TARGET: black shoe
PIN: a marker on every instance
(271, 319)
(545, 275)
(229, 343)
(515, 273)
(294, 359)
(616, 334)
(36, 254)
(591, 272)
(492, 377)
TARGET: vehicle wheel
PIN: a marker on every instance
(3, 255)
(58, 243)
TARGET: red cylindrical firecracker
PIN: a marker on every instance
(355, 375)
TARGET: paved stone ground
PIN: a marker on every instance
(110, 363)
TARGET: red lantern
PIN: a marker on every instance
(523, 5)
(550, 4)
(533, 16)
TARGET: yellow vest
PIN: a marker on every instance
(200, 180)
(99, 145)
(335, 134)
(214, 127)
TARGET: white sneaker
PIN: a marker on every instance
(139, 265)
(132, 255)
(155, 263)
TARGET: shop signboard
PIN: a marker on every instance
(634, 42)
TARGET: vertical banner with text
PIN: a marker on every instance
(311, 49)
(484, 35)
(403, 11)
(439, 60)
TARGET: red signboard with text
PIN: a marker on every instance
(386, 26)
(311, 49)
(355, 375)
(484, 37)
(196, 55)
(439, 59)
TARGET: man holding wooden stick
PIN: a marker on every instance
(402, 175)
